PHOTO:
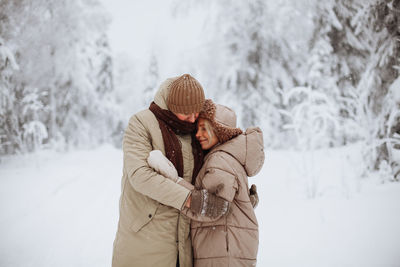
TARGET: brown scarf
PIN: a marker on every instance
(170, 126)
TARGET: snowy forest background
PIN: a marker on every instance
(321, 78)
(312, 74)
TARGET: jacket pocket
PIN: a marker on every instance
(144, 218)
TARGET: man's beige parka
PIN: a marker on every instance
(151, 230)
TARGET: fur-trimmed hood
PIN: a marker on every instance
(247, 148)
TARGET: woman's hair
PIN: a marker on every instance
(209, 129)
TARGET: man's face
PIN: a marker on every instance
(187, 117)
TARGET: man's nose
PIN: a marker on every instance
(192, 118)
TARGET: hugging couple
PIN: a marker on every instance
(185, 199)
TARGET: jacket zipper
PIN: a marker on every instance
(226, 233)
(177, 232)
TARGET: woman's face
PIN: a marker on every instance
(206, 141)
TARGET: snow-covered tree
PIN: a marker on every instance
(9, 126)
(365, 40)
(256, 52)
(346, 50)
(63, 91)
(312, 116)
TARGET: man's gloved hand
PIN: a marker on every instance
(162, 165)
(253, 196)
(208, 204)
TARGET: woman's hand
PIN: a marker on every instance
(253, 196)
(205, 203)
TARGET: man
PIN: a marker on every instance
(151, 229)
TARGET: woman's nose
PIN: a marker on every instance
(197, 134)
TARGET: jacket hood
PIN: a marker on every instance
(247, 148)
(163, 91)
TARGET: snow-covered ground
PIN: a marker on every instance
(61, 209)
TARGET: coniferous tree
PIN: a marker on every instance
(63, 90)
(9, 124)
(365, 41)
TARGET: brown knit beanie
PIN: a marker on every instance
(223, 120)
(186, 95)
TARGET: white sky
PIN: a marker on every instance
(141, 26)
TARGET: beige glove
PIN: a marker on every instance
(162, 165)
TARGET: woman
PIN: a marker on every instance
(232, 156)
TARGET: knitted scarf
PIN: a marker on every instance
(170, 126)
